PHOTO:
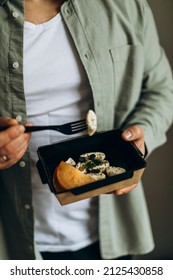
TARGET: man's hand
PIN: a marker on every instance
(135, 134)
(13, 142)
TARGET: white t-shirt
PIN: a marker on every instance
(57, 91)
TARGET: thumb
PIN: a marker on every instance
(132, 133)
(127, 135)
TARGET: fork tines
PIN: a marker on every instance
(79, 125)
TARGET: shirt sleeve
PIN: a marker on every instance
(154, 110)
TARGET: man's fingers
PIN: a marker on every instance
(6, 121)
(10, 133)
(133, 133)
(14, 150)
(125, 190)
(15, 146)
(11, 161)
(136, 134)
(13, 142)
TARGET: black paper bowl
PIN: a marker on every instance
(118, 152)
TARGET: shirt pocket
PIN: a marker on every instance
(128, 66)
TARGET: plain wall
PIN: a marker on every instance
(158, 176)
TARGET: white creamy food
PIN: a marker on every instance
(96, 165)
(91, 121)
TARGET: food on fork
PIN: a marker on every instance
(91, 121)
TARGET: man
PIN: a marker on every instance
(78, 55)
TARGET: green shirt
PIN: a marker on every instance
(131, 82)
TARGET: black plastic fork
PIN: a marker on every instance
(68, 128)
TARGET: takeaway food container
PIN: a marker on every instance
(118, 152)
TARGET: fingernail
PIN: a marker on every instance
(20, 128)
(120, 193)
(127, 134)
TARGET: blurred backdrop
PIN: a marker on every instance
(158, 176)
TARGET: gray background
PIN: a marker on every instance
(158, 176)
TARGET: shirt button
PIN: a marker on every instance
(22, 163)
(19, 118)
(87, 56)
(67, 11)
(27, 206)
(15, 64)
(15, 14)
